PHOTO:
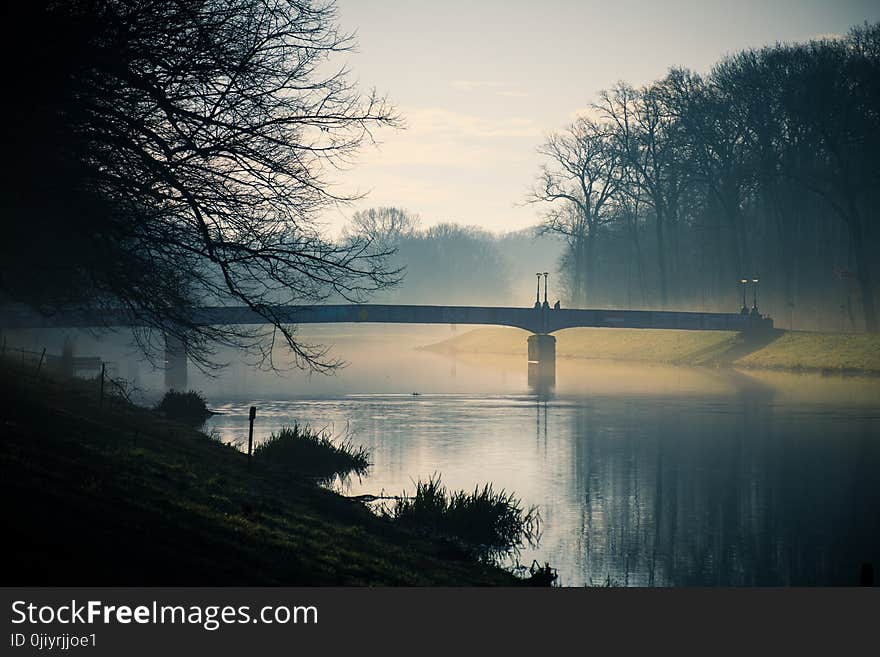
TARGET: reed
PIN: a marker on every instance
(316, 454)
(187, 407)
(487, 522)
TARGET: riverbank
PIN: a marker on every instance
(113, 494)
(784, 350)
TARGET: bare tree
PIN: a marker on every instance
(767, 167)
(580, 181)
(717, 144)
(647, 136)
(385, 226)
(180, 156)
(831, 94)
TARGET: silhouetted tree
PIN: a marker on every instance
(169, 155)
(385, 227)
(580, 181)
(832, 93)
(767, 166)
(649, 142)
(445, 263)
(452, 264)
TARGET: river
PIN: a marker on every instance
(644, 475)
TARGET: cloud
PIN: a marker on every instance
(405, 151)
(471, 85)
(588, 112)
(488, 85)
(439, 137)
(437, 121)
(444, 161)
(390, 188)
(828, 36)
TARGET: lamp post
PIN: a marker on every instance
(743, 283)
(546, 305)
(538, 292)
(755, 297)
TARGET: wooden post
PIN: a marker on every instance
(103, 365)
(252, 415)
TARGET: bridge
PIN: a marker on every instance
(541, 320)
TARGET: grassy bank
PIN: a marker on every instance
(794, 350)
(114, 494)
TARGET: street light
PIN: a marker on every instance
(755, 297)
(546, 305)
(538, 292)
(743, 283)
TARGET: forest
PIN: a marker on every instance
(669, 195)
(765, 168)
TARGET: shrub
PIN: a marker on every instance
(188, 407)
(484, 521)
(537, 575)
(305, 451)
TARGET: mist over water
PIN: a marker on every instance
(644, 475)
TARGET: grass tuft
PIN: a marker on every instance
(189, 408)
(315, 454)
(490, 524)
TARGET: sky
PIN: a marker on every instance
(481, 84)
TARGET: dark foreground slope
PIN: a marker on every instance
(115, 495)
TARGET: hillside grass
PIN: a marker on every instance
(792, 350)
(114, 494)
(819, 351)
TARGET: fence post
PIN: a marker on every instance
(42, 356)
(103, 365)
(251, 416)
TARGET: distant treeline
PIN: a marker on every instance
(668, 195)
(455, 264)
(766, 167)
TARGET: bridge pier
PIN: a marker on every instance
(542, 361)
(175, 363)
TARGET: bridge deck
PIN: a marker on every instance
(529, 319)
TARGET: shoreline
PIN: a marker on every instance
(783, 351)
(113, 494)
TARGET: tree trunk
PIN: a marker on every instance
(640, 267)
(590, 268)
(579, 273)
(863, 271)
(661, 258)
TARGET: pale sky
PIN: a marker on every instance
(480, 84)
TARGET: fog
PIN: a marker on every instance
(387, 359)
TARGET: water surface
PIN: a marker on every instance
(644, 475)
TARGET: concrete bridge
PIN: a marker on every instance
(538, 320)
(541, 320)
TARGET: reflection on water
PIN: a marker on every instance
(644, 475)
